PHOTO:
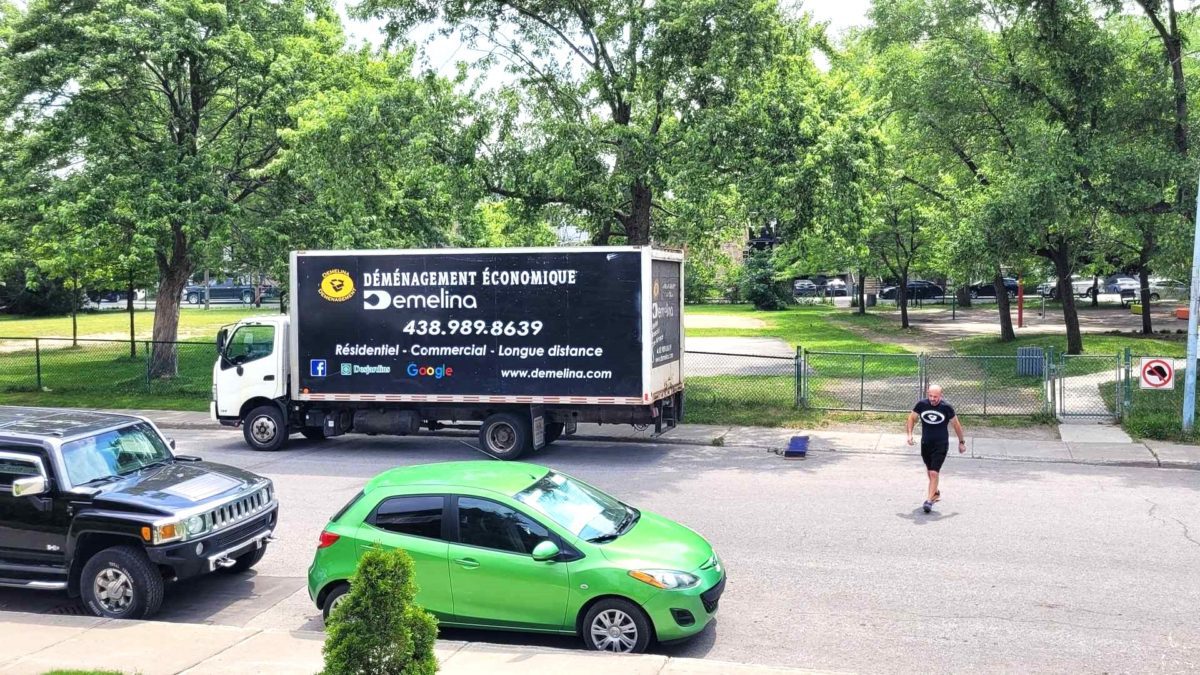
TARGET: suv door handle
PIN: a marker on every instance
(268, 378)
(468, 563)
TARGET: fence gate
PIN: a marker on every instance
(1089, 385)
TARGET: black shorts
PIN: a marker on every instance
(934, 454)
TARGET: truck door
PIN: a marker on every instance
(250, 367)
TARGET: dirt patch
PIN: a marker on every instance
(721, 321)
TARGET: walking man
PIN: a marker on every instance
(936, 415)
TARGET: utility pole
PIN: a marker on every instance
(1189, 380)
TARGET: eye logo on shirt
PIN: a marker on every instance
(932, 417)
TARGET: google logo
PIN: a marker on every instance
(436, 372)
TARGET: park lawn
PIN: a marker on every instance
(813, 327)
(194, 324)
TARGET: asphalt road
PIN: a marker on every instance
(1024, 567)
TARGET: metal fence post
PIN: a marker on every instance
(1128, 383)
(799, 376)
(985, 386)
(37, 361)
(862, 383)
(146, 351)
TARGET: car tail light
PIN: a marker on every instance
(327, 539)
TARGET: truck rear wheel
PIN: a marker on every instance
(265, 429)
(121, 583)
(505, 436)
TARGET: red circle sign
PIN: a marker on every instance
(1157, 373)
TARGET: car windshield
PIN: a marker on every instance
(119, 452)
(587, 512)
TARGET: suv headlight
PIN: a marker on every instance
(195, 526)
(669, 580)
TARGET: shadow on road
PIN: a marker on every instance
(918, 516)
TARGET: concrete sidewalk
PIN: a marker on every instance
(1080, 444)
(34, 644)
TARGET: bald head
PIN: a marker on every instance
(934, 394)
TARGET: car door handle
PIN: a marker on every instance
(468, 563)
(268, 378)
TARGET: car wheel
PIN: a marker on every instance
(554, 431)
(247, 297)
(121, 583)
(974, 295)
(505, 436)
(1154, 297)
(265, 429)
(313, 433)
(193, 298)
(245, 561)
(333, 598)
(615, 625)
(1089, 293)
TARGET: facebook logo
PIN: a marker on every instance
(316, 368)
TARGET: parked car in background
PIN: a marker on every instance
(513, 546)
(228, 290)
(1167, 288)
(985, 289)
(836, 287)
(1121, 284)
(804, 287)
(1081, 286)
(918, 289)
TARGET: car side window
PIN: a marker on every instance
(417, 516)
(13, 468)
(487, 524)
(250, 343)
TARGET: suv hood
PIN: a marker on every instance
(175, 487)
(659, 543)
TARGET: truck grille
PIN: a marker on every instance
(239, 510)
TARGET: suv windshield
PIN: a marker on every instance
(587, 512)
(113, 453)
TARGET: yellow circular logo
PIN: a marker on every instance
(336, 285)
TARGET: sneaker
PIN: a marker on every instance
(937, 496)
(927, 506)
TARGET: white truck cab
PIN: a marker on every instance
(250, 376)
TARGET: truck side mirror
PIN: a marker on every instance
(29, 487)
(222, 336)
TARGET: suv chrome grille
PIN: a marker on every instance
(239, 510)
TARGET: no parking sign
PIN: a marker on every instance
(1157, 373)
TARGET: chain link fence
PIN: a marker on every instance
(103, 366)
(738, 385)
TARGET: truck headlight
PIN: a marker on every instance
(195, 526)
(163, 533)
(669, 580)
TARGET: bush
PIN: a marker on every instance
(759, 284)
(378, 628)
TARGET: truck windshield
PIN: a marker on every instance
(113, 453)
(587, 512)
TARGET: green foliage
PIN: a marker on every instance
(760, 286)
(378, 628)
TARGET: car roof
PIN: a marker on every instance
(58, 422)
(504, 477)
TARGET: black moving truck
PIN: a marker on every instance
(526, 343)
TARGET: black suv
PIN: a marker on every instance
(98, 505)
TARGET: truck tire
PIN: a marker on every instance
(265, 429)
(554, 431)
(121, 583)
(313, 433)
(505, 436)
(245, 561)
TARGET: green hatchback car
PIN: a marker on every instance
(512, 546)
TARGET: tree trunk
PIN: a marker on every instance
(637, 227)
(964, 296)
(1006, 326)
(1095, 291)
(129, 308)
(1062, 268)
(862, 293)
(902, 299)
(171, 282)
(1144, 283)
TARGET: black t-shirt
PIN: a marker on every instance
(934, 420)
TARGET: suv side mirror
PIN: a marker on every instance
(545, 551)
(29, 487)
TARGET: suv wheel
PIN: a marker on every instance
(245, 561)
(265, 429)
(615, 625)
(505, 436)
(121, 583)
(247, 297)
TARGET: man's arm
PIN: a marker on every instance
(912, 419)
(962, 442)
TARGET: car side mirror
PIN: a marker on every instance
(171, 441)
(545, 551)
(33, 486)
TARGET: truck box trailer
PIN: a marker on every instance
(526, 343)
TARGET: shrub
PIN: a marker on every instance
(759, 284)
(378, 628)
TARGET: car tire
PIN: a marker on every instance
(1089, 293)
(247, 297)
(193, 298)
(313, 433)
(554, 431)
(505, 436)
(1154, 297)
(632, 634)
(244, 562)
(265, 429)
(974, 295)
(331, 600)
(123, 571)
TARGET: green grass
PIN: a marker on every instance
(193, 323)
(810, 326)
(1154, 414)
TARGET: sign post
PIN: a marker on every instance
(1189, 381)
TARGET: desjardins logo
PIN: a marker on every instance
(336, 285)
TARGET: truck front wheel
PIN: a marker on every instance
(505, 436)
(265, 429)
(121, 583)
